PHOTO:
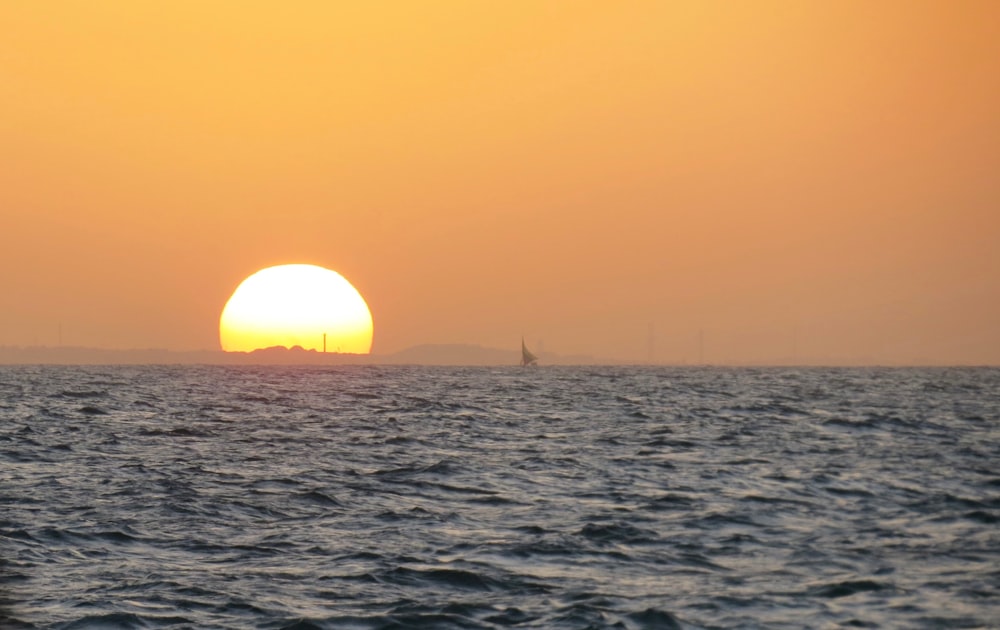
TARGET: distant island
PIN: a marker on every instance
(426, 354)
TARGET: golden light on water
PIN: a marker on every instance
(296, 305)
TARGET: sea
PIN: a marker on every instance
(375, 497)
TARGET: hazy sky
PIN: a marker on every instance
(818, 180)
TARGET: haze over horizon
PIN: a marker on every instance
(676, 182)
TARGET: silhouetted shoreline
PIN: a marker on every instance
(426, 354)
(423, 354)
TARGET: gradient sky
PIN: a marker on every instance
(808, 180)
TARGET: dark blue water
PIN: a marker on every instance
(413, 497)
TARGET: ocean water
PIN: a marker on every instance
(556, 497)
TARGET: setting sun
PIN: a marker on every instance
(296, 305)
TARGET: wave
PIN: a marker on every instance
(486, 498)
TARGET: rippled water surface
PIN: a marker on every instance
(417, 497)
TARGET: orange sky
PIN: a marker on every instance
(817, 180)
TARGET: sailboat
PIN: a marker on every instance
(526, 357)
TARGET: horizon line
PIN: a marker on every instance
(260, 356)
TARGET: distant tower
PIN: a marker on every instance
(324, 343)
(795, 345)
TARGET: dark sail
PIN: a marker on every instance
(526, 357)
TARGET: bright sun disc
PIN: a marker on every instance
(296, 305)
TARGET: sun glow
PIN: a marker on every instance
(296, 305)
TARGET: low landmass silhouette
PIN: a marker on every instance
(424, 354)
